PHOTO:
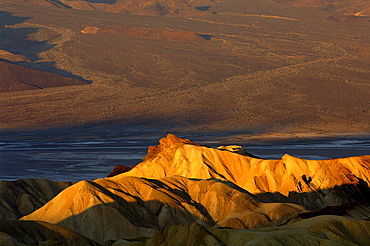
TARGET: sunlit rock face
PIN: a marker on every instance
(312, 183)
(185, 192)
(143, 206)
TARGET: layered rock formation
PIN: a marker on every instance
(142, 32)
(187, 194)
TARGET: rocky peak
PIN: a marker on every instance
(166, 143)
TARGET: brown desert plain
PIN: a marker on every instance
(258, 68)
(261, 66)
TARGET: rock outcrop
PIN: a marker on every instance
(142, 32)
(311, 183)
(118, 170)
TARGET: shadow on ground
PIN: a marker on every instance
(19, 41)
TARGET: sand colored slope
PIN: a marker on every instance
(288, 176)
(100, 209)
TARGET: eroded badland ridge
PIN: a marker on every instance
(184, 193)
(275, 66)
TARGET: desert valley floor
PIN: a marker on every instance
(255, 66)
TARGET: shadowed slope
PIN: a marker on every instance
(18, 78)
(5, 55)
(21, 197)
(353, 209)
(39, 233)
(323, 230)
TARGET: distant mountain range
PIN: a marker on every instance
(141, 7)
(350, 7)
